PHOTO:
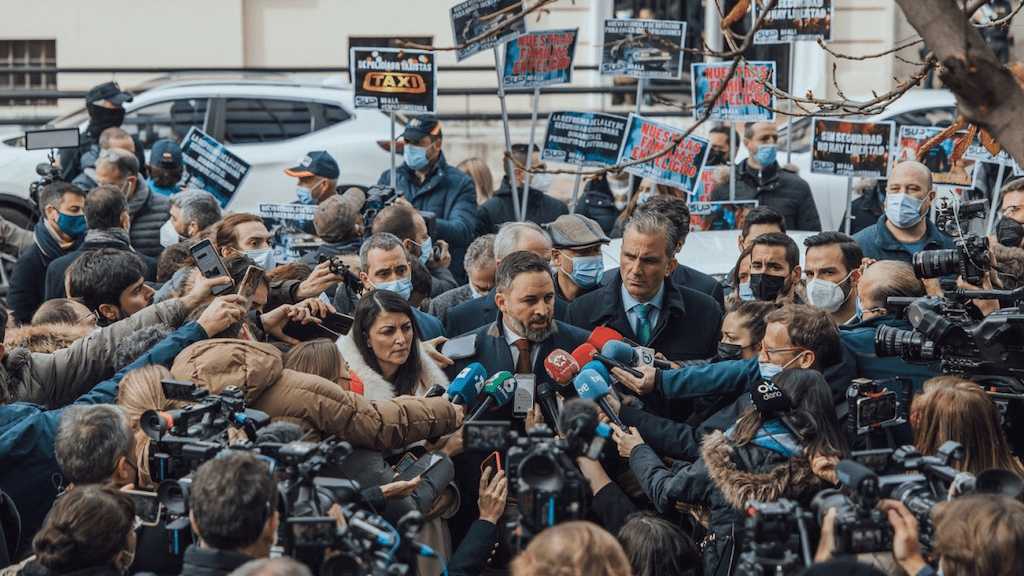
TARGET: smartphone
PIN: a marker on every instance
(147, 506)
(407, 460)
(210, 264)
(254, 277)
(493, 460)
(461, 347)
(331, 327)
(523, 399)
(420, 467)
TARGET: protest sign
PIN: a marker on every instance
(745, 98)
(394, 80)
(939, 157)
(978, 152)
(292, 212)
(643, 48)
(474, 18)
(539, 59)
(211, 166)
(850, 148)
(720, 215)
(583, 138)
(679, 168)
(795, 21)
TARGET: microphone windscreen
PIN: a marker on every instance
(578, 415)
(598, 367)
(602, 335)
(590, 385)
(584, 353)
(467, 384)
(561, 366)
(502, 387)
(619, 350)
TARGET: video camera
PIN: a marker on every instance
(49, 139)
(874, 405)
(377, 198)
(970, 259)
(340, 268)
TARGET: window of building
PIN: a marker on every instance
(22, 67)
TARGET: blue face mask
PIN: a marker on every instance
(586, 271)
(402, 287)
(644, 198)
(425, 250)
(903, 210)
(305, 195)
(415, 157)
(766, 154)
(265, 259)
(746, 292)
(72, 225)
(770, 370)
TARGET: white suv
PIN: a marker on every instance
(269, 124)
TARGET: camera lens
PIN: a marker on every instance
(154, 424)
(935, 263)
(907, 344)
(173, 494)
(540, 471)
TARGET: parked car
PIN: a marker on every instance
(269, 124)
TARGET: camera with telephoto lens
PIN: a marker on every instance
(377, 198)
(877, 404)
(952, 217)
(970, 260)
(339, 268)
(777, 539)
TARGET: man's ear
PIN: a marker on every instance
(123, 472)
(672, 264)
(500, 301)
(192, 230)
(125, 220)
(807, 360)
(855, 277)
(556, 257)
(797, 274)
(364, 278)
(109, 312)
(409, 245)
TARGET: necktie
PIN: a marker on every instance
(643, 324)
(523, 364)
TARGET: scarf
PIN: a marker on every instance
(774, 435)
(49, 245)
(109, 236)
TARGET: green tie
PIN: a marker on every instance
(643, 325)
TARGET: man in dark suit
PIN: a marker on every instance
(644, 305)
(512, 237)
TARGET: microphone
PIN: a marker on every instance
(561, 366)
(584, 353)
(600, 368)
(591, 385)
(434, 391)
(579, 421)
(467, 384)
(548, 405)
(498, 390)
(588, 351)
(626, 354)
(602, 335)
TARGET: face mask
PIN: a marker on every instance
(304, 194)
(620, 193)
(102, 118)
(645, 197)
(1009, 232)
(541, 182)
(415, 157)
(903, 210)
(770, 370)
(586, 271)
(827, 296)
(766, 154)
(729, 351)
(766, 287)
(168, 235)
(265, 258)
(425, 250)
(72, 225)
(746, 294)
(402, 287)
(715, 158)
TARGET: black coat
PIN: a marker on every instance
(688, 326)
(481, 311)
(776, 188)
(685, 277)
(56, 270)
(28, 282)
(598, 205)
(499, 209)
(211, 562)
(470, 558)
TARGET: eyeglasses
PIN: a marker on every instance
(769, 351)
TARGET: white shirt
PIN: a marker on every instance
(511, 337)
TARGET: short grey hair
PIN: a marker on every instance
(480, 252)
(123, 161)
(112, 133)
(197, 206)
(511, 234)
(90, 440)
(381, 241)
(283, 566)
(654, 224)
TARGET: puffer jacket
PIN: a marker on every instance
(148, 212)
(721, 482)
(46, 338)
(56, 379)
(375, 387)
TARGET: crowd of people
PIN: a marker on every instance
(746, 399)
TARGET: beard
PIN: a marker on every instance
(532, 334)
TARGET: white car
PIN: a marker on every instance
(269, 124)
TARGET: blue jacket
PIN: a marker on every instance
(451, 195)
(877, 242)
(430, 327)
(859, 339)
(28, 465)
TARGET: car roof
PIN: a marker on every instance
(916, 100)
(276, 88)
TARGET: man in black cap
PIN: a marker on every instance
(427, 182)
(105, 104)
(318, 175)
(576, 255)
(540, 208)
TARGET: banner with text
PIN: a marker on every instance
(849, 148)
(720, 215)
(584, 138)
(679, 168)
(939, 157)
(795, 21)
(211, 166)
(394, 80)
(745, 98)
(643, 48)
(538, 59)
(475, 18)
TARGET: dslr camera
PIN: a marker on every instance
(970, 259)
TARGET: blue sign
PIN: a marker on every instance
(538, 59)
(211, 166)
(679, 168)
(745, 97)
(584, 138)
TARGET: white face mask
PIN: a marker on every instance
(541, 182)
(826, 295)
(168, 235)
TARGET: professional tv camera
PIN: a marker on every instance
(51, 140)
(777, 539)
(970, 259)
(377, 198)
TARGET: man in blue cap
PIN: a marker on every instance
(105, 105)
(428, 183)
(318, 175)
(165, 167)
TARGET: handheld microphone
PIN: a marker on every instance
(467, 384)
(600, 368)
(626, 354)
(498, 390)
(580, 424)
(434, 391)
(548, 405)
(602, 335)
(584, 353)
(591, 385)
(561, 366)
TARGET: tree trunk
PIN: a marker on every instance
(987, 93)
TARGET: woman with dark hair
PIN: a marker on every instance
(657, 547)
(645, 191)
(738, 286)
(786, 446)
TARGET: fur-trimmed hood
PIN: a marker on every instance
(375, 387)
(739, 479)
(46, 338)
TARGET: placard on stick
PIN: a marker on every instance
(679, 168)
(394, 80)
(538, 59)
(795, 21)
(939, 157)
(584, 138)
(643, 48)
(745, 98)
(211, 166)
(851, 148)
(474, 18)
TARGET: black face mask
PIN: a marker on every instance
(729, 351)
(101, 118)
(766, 287)
(1009, 232)
(715, 158)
